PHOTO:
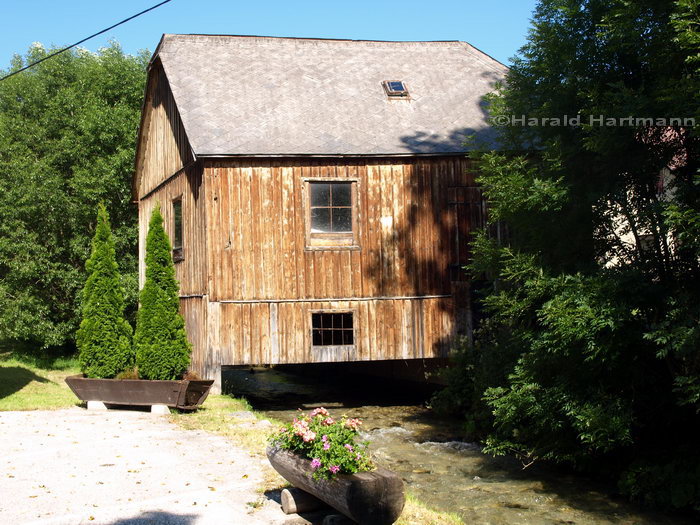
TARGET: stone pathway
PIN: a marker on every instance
(124, 467)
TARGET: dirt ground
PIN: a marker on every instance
(119, 467)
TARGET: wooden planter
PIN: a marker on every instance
(369, 498)
(185, 394)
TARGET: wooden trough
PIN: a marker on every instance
(369, 498)
(184, 395)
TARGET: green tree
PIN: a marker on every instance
(593, 304)
(104, 336)
(67, 140)
(162, 348)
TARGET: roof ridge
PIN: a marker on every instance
(313, 39)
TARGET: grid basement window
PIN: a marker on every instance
(395, 88)
(332, 329)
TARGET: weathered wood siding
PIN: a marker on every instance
(191, 271)
(280, 332)
(163, 148)
(406, 224)
(264, 281)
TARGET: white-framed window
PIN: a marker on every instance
(331, 213)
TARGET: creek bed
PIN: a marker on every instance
(439, 468)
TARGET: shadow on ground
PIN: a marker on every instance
(158, 518)
(15, 378)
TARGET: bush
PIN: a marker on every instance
(162, 349)
(666, 481)
(104, 336)
(329, 444)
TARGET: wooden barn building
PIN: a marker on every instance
(317, 193)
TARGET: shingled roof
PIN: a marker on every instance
(243, 95)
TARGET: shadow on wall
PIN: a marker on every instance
(15, 378)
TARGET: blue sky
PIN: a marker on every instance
(497, 27)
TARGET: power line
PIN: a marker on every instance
(83, 40)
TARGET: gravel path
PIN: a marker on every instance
(123, 467)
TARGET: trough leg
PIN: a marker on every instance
(215, 374)
(96, 405)
(296, 501)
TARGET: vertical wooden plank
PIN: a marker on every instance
(269, 222)
(248, 260)
(257, 232)
(406, 330)
(372, 266)
(401, 226)
(230, 252)
(274, 343)
(244, 353)
(387, 231)
(214, 338)
(288, 235)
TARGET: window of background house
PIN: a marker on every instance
(177, 230)
(332, 329)
(331, 213)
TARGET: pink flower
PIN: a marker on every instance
(326, 445)
(315, 463)
(334, 469)
(348, 446)
(353, 424)
(324, 438)
(309, 436)
(358, 457)
(320, 411)
(300, 427)
(328, 421)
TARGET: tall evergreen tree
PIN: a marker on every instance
(162, 348)
(104, 336)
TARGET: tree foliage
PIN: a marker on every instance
(67, 140)
(104, 336)
(162, 348)
(593, 304)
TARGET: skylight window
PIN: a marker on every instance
(395, 88)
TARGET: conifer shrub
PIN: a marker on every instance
(104, 336)
(160, 341)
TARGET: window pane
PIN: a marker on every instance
(342, 219)
(320, 194)
(347, 337)
(320, 220)
(177, 224)
(317, 339)
(316, 320)
(327, 337)
(347, 320)
(340, 194)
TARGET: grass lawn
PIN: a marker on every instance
(33, 383)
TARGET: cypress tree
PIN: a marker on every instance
(104, 336)
(162, 349)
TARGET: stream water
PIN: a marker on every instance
(438, 467)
